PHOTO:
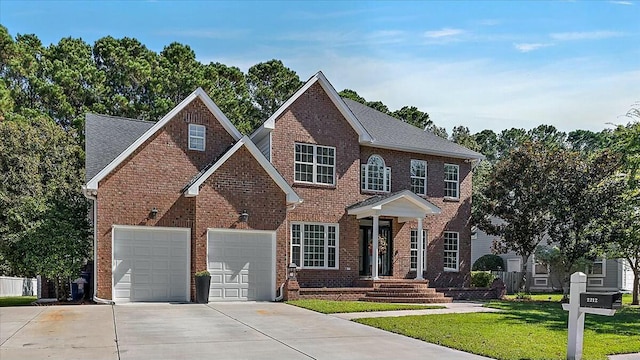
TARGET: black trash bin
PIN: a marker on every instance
(74, 292)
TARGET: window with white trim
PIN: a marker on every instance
(314, 245)
(315, 164)
(451, 181)
(197, 136)
(451, 250)
(419, 177)
(539, 268)
(375, 176)
(597, 268)
(414, 249)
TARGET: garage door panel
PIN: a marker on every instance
(241, 265)
(151, 264)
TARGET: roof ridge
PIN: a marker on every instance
(122, 118)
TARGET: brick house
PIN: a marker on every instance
(312, 186)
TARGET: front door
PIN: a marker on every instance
(385, 256)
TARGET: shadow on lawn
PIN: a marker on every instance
(626, 321)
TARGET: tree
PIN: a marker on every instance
(514, 202)
(576, 202)
(588, 141)
(487, 141)
(548, 135)
(510, 139)
(270, 85)
(412, 115)
(43, 226)
(461, 136)
(351, 94)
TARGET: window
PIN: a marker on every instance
(419, 177)
(196, 137)
(414, 249)
(314, 245)
(451, 185)
(375, 176)
(315, 164)
(539, 268)
(451, 251)
(597, 268)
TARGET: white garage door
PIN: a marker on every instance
(150, 264)
(241, 264)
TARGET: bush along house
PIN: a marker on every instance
(360, 203)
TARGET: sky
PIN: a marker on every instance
(482, 64)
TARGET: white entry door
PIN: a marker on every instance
(151, 263)
(241, 263)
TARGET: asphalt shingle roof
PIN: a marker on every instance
(106, 137)
(388, 131)
(372, 200)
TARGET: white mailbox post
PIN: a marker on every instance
(577, 313)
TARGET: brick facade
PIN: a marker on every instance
(155, 175)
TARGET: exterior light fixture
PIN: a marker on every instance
(244, 216)
(292, 269)
(153, 213)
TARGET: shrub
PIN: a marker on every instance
(481, 279)
(523, 296)
(202, 273)
(488, 262)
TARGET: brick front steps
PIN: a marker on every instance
(384, 290)
(405, 291)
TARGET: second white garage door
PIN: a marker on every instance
(241, 263)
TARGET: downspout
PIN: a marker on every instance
(94, 209)
(286, 263)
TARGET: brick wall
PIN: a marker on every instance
(314, 119)
(154, 176)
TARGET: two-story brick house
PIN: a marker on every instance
(320, 179)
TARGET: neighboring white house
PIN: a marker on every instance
(603, 275)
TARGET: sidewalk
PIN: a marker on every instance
(459, 307)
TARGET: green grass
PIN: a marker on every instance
(333, 307)
(16, 300)
(525, 330)
(555, 297)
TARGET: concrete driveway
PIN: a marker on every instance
(193, 331)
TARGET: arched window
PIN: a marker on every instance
(375, 176)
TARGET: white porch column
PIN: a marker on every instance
(420, 268)
(374, 240)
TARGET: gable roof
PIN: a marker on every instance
(391, 133)
(108, 136)
(198, 93)
(375, 128)
(404, 204)
(319, 78)
(193, 188)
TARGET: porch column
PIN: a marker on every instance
(420, 268)
(374, 253)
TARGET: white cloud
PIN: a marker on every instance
(443, 33)
(527, 47)
(621, 2)
(586, 35)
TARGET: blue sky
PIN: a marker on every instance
(482, 64)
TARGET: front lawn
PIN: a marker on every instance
(525, 330)
(333, 307)
(16, 300)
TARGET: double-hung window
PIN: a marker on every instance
(375, 176)
(197, 135)
(539, 268)
(414, 249)
(596, 268)
(314, 245)
(451, 250)
(315, 164)
(451, 181)
(419, 177)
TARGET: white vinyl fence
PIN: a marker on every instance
(13, 286)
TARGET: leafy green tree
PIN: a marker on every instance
(514, 202)
(548, 135)
(270, 85)
(461, 136)
(43, 226)
(351, 94)
(588, 141)
(412, 115)
(487, 141)
(510, 139)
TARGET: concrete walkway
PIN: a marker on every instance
(461, 307)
